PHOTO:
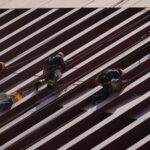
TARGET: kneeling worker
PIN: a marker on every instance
(53, 67)
(111, 82)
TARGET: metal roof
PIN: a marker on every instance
(93, 39)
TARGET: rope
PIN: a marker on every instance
(137, 75)
(90, 49)
(44, 42)
(96, 46)
(23, 62)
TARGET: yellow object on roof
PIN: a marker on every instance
(18, 96)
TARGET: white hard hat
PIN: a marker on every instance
(61, 54)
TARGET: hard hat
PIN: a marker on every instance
(61, 54)
(2, 66)
(17, 96)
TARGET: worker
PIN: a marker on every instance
(111, 81)
(6, 100)
(111, 77)
(53, 67)
(2, 66)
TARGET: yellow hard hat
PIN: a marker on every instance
(2, 66)
(61, 54)
(17, 96)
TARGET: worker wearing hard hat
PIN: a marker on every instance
(110, 80)
(53, 67)
(111, 77)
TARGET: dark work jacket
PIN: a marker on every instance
(55, 62)
(109, 74)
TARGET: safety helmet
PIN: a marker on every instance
(17, 95)
(61, 54)
(2, 66)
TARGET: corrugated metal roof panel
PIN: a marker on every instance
(93, 40)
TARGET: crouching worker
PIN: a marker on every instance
(111, 82)
(53, 68)
(6, 101)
